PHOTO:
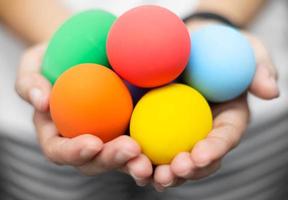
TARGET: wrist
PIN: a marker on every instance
(200, 19)
(195, 24)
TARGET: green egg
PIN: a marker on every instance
(81, 39)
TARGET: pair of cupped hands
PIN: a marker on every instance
(91, 156)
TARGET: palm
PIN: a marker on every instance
(230, 121)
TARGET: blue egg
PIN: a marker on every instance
(222, 63)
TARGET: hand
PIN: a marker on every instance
(86, 152)
(230, 122)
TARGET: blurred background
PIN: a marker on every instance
(24, 169)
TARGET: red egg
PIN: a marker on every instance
(149, 46)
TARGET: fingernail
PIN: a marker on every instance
(158, 188)
(139, 181)
(272, 81)
(36, 97)
(274, 85)
(87, 153)
(268, 75)
(168, 184)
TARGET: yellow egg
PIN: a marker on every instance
(169, 120)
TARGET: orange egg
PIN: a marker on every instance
(90, 99)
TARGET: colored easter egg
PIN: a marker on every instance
(90, 99)
(169, 120)
(222, 63)
(81, 39)
(149, 46)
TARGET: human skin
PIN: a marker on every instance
(88, 153)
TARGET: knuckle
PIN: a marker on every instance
(128, 142)
(232, 140)
(232, 137)
(226, 141)
(51, 158)
(124, 138)
(49, 152)
(70, 160)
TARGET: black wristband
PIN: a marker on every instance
(212, 16)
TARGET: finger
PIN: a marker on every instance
(207, 171)
(164, 177)
(158, 187)
(64, 151)
(114, 155)
(30, 84)
(140, 168)
(228, 128)
(264, 84)
(182, 165)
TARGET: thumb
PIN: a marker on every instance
(30, 84)
(264, 84)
